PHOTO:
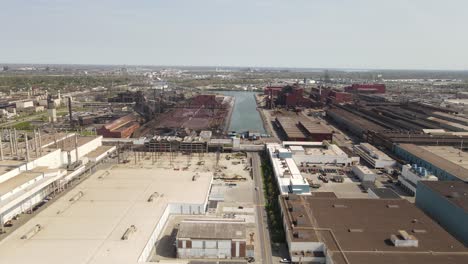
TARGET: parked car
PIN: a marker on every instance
(285, 260)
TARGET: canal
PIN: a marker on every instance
(245, 116)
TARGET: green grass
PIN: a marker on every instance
(271, 192)
(24, 126)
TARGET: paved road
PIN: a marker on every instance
(263, 234)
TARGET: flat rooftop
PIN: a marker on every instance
(99, 151)
(330, 150)
(212, 230)
(17, 181)
(360, 229)
(446, 158)
(454, 191)
(89, 230)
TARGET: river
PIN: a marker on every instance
(245, 116)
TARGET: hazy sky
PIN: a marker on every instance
(384, 34)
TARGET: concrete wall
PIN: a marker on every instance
(207, 249)
(82, 150)
(436, 171)
(452, 218)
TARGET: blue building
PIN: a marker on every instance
(447, 203)
(446, 163)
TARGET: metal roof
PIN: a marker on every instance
(439, 157)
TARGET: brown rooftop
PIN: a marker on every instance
(364, 228)
(454, 191)
(314, 127)
(289, 125)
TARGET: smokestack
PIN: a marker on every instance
(70, 110)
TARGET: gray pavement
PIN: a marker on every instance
(261, 214)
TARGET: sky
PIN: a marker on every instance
(356, 34)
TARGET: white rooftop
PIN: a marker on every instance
(89, 230)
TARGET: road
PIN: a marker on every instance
(262, 222)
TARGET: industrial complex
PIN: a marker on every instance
(232, 166)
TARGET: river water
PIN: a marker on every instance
(245, 116)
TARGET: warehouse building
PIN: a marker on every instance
(303, 129)
(286, 157)
(376, 158)
(446, 163)
(411, 175)
(122, 127)
(114, 216)
(364, 173)
(447, 203)
(287, 174)
(27, 179)
(324, 229)
(211, 239)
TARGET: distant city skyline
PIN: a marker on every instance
(339, 34)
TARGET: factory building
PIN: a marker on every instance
(117, 215)
(365, 88)
(211, 239)
(303, 129)
(288, 156)
(353, 123)
(411, 175)
(122, 127)
(287, 95)
(32, 170)
(315, 130)
(444, 162)
(321, 228)
(447, 203)
(376, 158)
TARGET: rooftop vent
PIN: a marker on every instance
(393, 206)
(403, 239)
(356, 230)
(132, 229)
(419, 231)
(339, 206)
